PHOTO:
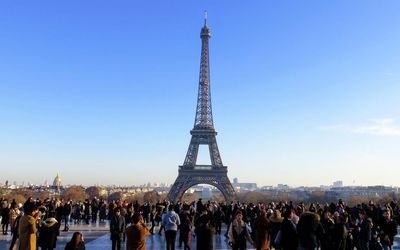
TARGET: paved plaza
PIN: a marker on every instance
(97, 237)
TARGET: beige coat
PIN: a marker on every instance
(27, 233)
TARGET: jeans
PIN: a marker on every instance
(66, 221)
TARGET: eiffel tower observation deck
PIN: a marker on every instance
(203, 133)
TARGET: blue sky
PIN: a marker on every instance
(304, 92)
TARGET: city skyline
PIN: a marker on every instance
(303, 94)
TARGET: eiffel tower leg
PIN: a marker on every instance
(189, 178)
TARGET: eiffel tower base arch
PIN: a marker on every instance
(191, 177)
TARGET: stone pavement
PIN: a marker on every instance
(97, 238)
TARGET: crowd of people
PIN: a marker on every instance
(281, 226)
(34, 225)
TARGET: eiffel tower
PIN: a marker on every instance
(203, 133)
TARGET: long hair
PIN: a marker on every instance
(76, 239)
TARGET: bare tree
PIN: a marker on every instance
(75, 193)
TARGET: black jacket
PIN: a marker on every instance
(117, 227)
(309, 230)
(289, 239)
(48, 232)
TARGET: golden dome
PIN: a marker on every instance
(57, 181)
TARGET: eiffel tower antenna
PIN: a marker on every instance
(203, 133)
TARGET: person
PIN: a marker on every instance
(328, 224)
(365, 226)
(261, 232)
(204, 233)
(136, 233)
(238, 232)
(67, 210)
(339, 234)
(5, 218)
(288, 233)
(15, 233)
(76, 242)
(117, 227)
(27, 226)
(185, 231)
(274, 226)
(170, 221)
(218, 218)
(309, 230)
(161, 215)
(375, 244)
(14, 213)
(87, 210)
(153, 215)
(388, 230)
(48, 232)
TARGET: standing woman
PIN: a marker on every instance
(136, 233)
(5, 218)
(14, 212)
(27, 226)
(238, 233)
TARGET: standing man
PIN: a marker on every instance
(67, 215)
(117, 227)
(170, 221)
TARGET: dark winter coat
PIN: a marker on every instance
(204, 234)
(309, 230)
(327, 238)
(48, 232)
(389, 229)
(117, 227)
(5, 215)
(69, 246)
(339, 237)
(289, 239)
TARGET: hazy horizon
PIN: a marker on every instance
(303, 93)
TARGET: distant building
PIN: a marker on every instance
(282, 187)
(206, 193)
(57, 185)
(57, 181)
(243, 186)
(338, 184)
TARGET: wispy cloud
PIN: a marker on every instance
(384, 127)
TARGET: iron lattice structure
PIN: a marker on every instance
(203, 133)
